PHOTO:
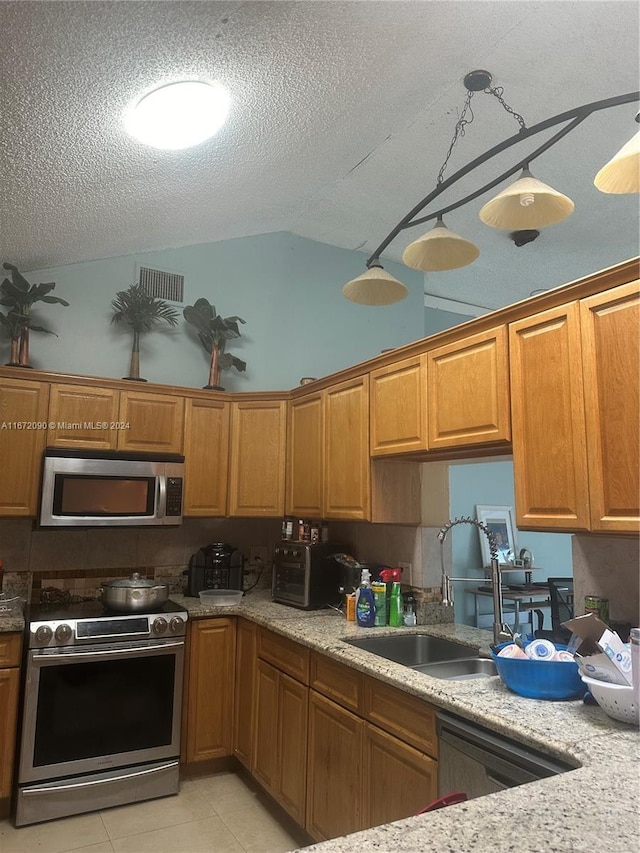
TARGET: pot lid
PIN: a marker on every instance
(136, 581)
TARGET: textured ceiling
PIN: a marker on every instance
(341, 116)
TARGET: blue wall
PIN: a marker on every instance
(436, 320)
(492, 483)
(288, 289)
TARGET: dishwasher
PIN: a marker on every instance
(478, 762)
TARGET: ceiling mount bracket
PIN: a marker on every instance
(477, 81)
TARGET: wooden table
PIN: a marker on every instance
(525, 600)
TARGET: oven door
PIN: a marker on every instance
(92, 708)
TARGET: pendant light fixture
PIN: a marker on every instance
(375, 287)
(521, 208)
(528, 203)
(622, 173)
(440, 249)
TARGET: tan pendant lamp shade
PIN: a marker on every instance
(528, 203)
(375, 287)
(622, 173)
(440, 249)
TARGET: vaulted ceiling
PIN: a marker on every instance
(342, 114)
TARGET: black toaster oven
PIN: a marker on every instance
(305, 575)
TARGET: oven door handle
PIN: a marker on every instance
(55, 789)
(99, 655)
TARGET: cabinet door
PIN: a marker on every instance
(82, 416)
(257, 473)
(347, 465)
(206, 451)
(211, 685)
(548, 421)
(9, 688)
(468, 400)
(305, 457)
(243, 726)
(410, 778)
(398, 407)
(265, 745)
(22, 404)
(334, 780)
(610, 322)
(292, 746)
(156, 422)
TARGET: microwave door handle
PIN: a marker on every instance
(161, 496)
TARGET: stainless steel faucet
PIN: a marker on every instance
(501, 631)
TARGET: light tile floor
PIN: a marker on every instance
(211, 814)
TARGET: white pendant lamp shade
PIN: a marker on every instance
(528, 203)
(622, 173)
(440, 249)
(375, 287)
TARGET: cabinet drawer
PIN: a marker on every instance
(10, 648)
(285, 655)
(408, 718)
(336, 681)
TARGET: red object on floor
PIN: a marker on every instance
(448, 800)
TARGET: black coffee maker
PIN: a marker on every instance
(215, 566)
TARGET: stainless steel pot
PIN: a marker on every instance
(134, 594)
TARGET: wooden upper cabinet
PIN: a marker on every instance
(257, 470)
(79, 414)
(23, 422)
(206, 450)
(347, 466)
(305, 456)
(398, 407)
(547, 415)
(609, 323)
(468, 391)
(156, 422)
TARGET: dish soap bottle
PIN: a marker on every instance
(365, 605)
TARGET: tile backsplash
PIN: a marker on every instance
(606, 566)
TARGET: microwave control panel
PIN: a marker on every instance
(174, 496)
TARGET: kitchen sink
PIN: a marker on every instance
(413, 649)
(459, 670)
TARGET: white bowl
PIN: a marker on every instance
(220, 597)
(616, 700)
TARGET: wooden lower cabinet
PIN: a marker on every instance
(280, 744)
(210, 689)
(10, 647)
(398, 779)
(334, 781)
(243, 718)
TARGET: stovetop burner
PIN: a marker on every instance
(93, 609)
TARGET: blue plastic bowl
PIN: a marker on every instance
(537, 679)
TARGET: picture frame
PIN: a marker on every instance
(499, 521)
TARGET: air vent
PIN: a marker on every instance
(162, 284)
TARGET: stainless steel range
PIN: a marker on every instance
(102, 708)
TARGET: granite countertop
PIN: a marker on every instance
(594, 807)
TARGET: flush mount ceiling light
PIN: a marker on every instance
(179, 115)
(523, 207)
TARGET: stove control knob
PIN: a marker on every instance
(159, 625)
(44, 634)
(176, 625)
(63, 633)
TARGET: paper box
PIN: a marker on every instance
(601, 654)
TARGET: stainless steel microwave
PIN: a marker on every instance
(91, 488)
